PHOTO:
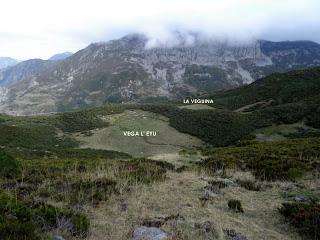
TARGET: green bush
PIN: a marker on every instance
(30, 220)
(285, 160)
(304, 216)
(78, 121)
(16, 220)
(144, 170)
(92, 191)
(249, 185)
(314, 119)
(295, 173)
(8, 165)
(235, 205)
(80, 224)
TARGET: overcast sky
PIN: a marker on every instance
(40, 28)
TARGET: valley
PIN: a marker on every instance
(160, 120)
(167, 140)
(242, 166)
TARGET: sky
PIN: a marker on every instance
(41, 28)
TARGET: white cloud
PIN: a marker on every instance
(40, 28)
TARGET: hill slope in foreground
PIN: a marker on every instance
(199, 173)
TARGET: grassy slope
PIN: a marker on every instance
(167, 141)
(273, 160)
(281, 88)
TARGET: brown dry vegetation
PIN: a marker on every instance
(178, 197)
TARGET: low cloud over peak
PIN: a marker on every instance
(43, 28)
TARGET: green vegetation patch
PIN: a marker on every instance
(235, 205)
(268, 161)
(92, 190)
(304, 216)
(285, 131)
(281, 88)
(249, 185)
(216, 127)
(306, 196)
(78, 121)
(144, 170)
(8, 165)
(86, 178)
(27, 220)
(32, 135)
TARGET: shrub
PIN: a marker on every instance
(294, 173)
(80, 224)
(15, 220)
(44, 192)
(32, 135)
(8, 165)
(235, 205)
(144, 170)
(249, 185)
(78, 121)
(15, 230)
(285, 160)
(26, 220)
(304, 216)
(46, 215)
(92, 190)
(314, 119)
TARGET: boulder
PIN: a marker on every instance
(149, 233)
(57, 237)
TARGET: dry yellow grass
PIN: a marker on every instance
(178, 196)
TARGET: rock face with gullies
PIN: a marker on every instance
(127, 70)
(23, 70)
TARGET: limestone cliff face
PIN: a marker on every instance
(126, 70)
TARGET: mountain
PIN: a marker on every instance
(7, 61)
(125, 70)
(60, 56)
(23, 70)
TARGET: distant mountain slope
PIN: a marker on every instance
(7, 62)
(285, 56)
(60, 56)
(124, 70)
(23, 70)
